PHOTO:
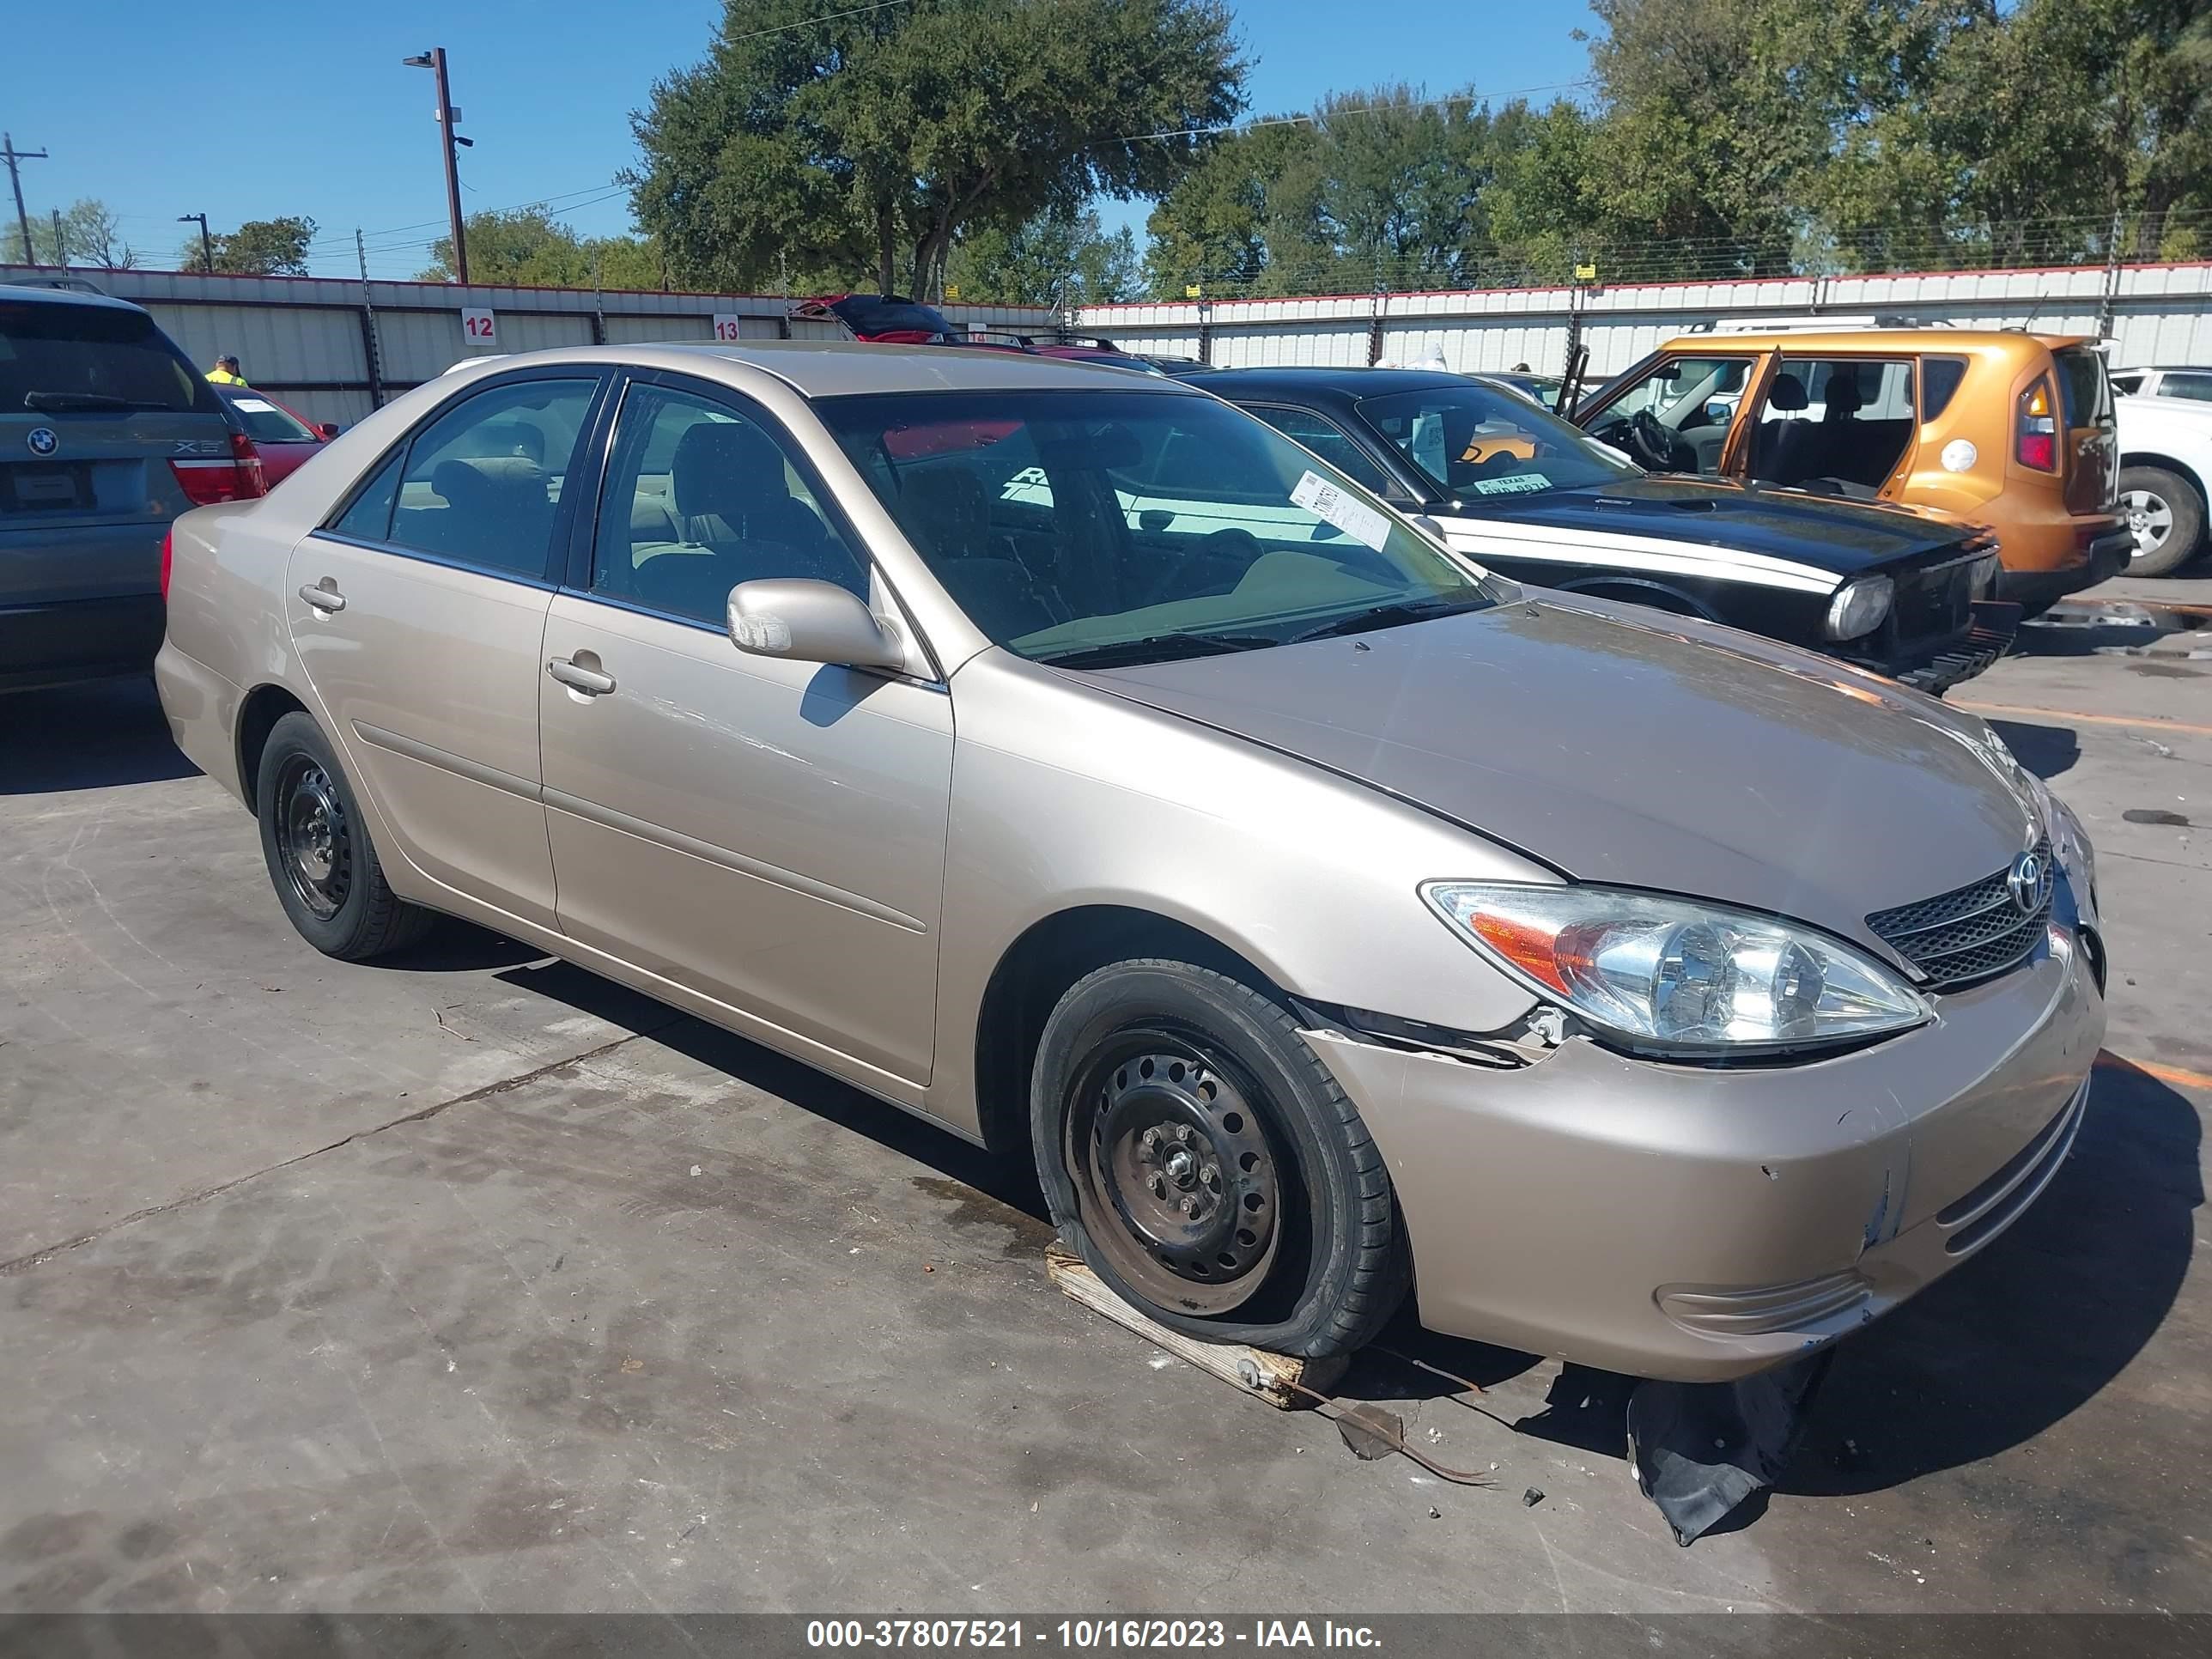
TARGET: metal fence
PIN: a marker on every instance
(334, 349)
(2151, 314)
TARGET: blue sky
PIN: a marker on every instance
(306, 108)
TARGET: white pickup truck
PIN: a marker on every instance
(2166, 479)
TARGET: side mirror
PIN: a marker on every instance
(326, 430)
(805, 621)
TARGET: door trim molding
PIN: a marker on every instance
(476, 771)
(675, 841)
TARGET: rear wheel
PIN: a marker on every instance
(1203, 1161)
(319, 856)
(2166, 517)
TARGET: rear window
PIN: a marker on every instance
(61, 359)
(880, 313)
(2083, 395)
(269, 424)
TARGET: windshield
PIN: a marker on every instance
(270, 424)
(1472, 441)
(62, 358)
(882, 314)
(1090, 527)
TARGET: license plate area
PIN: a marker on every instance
(63, 486)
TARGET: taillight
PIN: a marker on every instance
(238, 479)
(168, 556)
(2037, 442)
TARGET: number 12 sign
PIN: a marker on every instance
(481, 327)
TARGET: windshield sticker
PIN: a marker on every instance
(1520, 484)
(253, 406)
(1326, 501)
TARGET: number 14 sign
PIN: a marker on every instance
(481, 327)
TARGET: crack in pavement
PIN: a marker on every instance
(35, 1258)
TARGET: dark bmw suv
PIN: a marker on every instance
(106, 433)
(1905, 591)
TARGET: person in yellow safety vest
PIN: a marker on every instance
(225, 371)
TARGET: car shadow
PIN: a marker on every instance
(2049, 751)
(95, 735)
(1991, 1357)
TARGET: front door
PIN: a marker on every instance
(769, 835)
(419, 611)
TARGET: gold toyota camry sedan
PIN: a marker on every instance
(1070, 758)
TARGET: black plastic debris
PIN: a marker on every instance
(1531, 1497)
(1701, 1448)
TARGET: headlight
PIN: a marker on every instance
(1859, 607)
(1676, 975)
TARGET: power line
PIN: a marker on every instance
(809, 22)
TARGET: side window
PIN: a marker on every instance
(1330, 442)
(482, 481)
(369, 517)
(1844, 420)
(2195, 387)
(700, 497)
(1940, 377)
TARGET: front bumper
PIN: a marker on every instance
(1995, 626)
(1701, 1225)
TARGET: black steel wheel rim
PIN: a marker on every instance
(314, 841)
(1176, 1180)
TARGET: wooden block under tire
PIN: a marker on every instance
(1276, 1379)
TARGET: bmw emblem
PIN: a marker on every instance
(2027, 881)
(42, 440)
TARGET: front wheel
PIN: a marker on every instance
(2166, 517)
(1203, 1162)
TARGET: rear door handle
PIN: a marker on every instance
(589, 681)
(324, 599)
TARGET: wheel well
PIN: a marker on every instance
(1631, 590)
(1036, 971)
(2180, 470)
(256, 717)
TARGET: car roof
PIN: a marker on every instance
(13, 292)
(1336, 382)
(1953, 341)
(838, 368)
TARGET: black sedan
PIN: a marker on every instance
(1900, 591)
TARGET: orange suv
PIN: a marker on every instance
(2011, 430)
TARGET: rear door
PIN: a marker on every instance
(418, 611)
(2092, 447)
(96, 405)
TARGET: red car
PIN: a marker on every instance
(284, 436)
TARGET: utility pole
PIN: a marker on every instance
(448, 142)
(207, 247)
(9, 154)
(369, 355)
(61, 244)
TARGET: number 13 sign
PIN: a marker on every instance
(726, 326)
(481, 327)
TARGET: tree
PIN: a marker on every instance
(1245, 219)
(91, 235)
(875, 139)
(259, 247)
(1057, 258)
(528, 248)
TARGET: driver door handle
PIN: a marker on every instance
(576, 678)
(325, 598)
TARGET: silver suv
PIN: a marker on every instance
(106, 434)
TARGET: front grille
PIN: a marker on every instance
(1936, 601)
(1970, 933)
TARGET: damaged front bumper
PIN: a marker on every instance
(1703, 1223)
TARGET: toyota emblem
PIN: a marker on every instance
(2028, 880)
(42, 440)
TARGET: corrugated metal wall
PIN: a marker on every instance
(308, 340)
(2159, 314)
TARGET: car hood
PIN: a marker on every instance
(1840, 536)
(1620, 746)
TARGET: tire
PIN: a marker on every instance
(309, 822)
(1293, 1243)
(2156, 499)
